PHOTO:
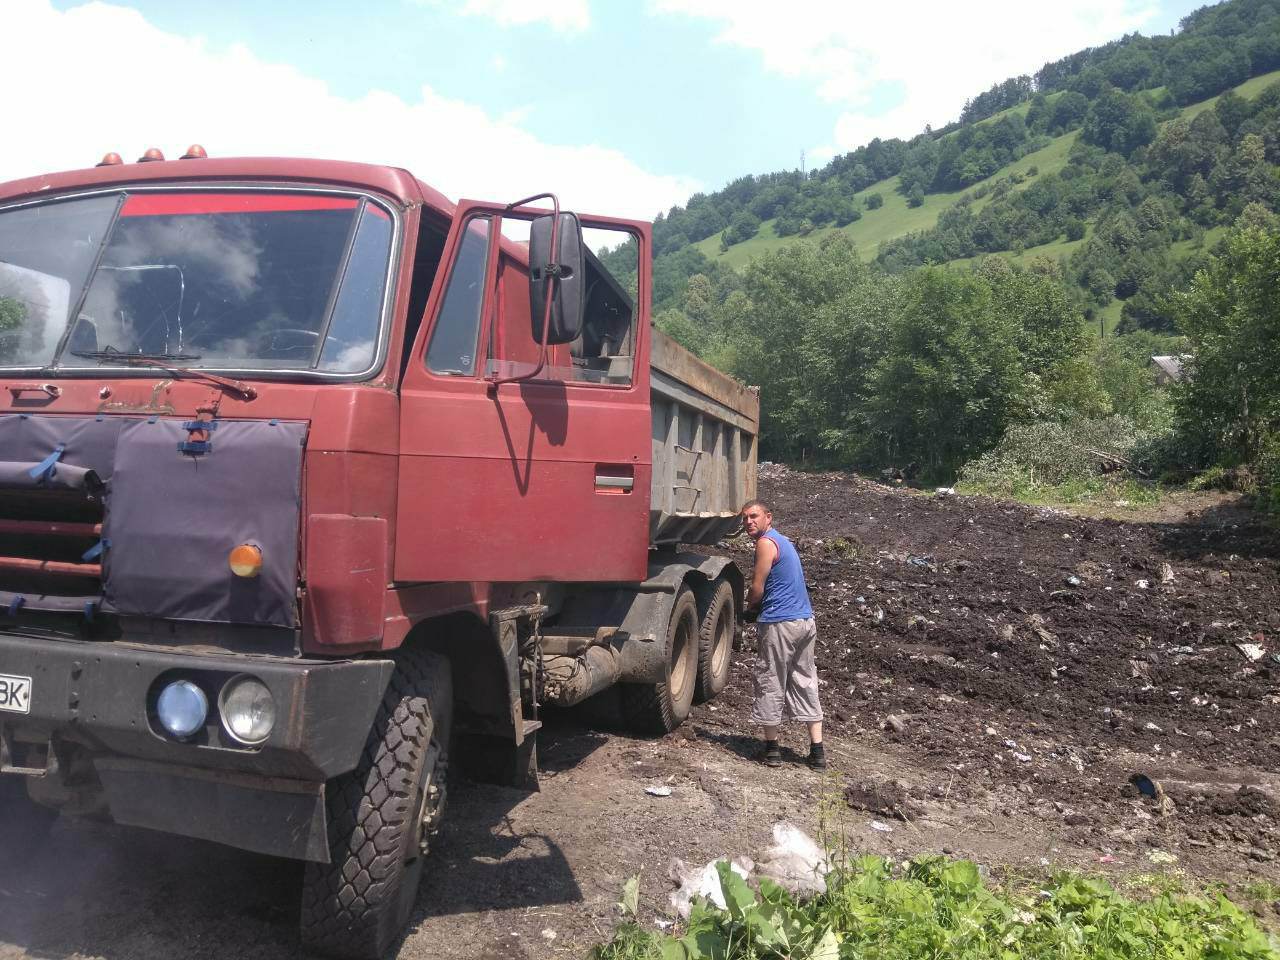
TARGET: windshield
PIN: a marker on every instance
(254, 280)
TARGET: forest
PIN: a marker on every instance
(1128, 190)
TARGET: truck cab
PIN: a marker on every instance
(302, 463)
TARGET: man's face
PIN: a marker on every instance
(756, 521)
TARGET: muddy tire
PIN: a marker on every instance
(715, 639)
(658, 708)
(381, 817)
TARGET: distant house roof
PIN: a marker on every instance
(1169, 368)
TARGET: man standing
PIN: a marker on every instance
(786, 678)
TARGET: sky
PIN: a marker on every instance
(622, 107)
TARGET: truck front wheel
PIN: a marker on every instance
(382, 816)
(657, 708)
(715, 639)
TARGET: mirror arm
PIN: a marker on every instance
(552, 273)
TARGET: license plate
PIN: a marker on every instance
(15, 693)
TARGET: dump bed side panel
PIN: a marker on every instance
(704, 447)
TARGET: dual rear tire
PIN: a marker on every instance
(699, 644)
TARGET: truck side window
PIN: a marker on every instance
(453, 341)
(605, 352)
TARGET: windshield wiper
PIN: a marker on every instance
(163, 361)
(142, 359)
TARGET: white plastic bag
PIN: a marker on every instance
(702, 881)
(795, 861)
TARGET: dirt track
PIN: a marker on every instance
(1024, 702)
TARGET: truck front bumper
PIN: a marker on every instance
(92, 705)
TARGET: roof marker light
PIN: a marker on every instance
(195, 152)
(109, 160)
(152, 154)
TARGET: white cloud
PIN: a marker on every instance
(100, 77)
(565, 16)
(936, 54)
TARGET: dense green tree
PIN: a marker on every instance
(1118, 122)
(1231, 316)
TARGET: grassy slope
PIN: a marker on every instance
(895, 218)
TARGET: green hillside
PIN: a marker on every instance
(897, 219)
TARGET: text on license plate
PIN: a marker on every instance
(15, 693)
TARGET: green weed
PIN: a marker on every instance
(936, 907)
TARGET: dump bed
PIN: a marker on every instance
(704, 447)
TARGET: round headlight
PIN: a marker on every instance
(182, 708)
(248, 710)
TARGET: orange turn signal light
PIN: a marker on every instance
(246, 560)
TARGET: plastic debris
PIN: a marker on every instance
(1142, 584)
(795, 861)
(1166, 573)
(945, 491)
(1161, 856)
(1074, 581)
(548, 933)
(701, 881)
(1252, 651)
(882, 827)
(658, 791)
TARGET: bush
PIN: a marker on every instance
(1083, 457)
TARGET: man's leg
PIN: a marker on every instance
(770, 682)
(802, 687)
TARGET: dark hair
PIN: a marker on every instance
(757, 503)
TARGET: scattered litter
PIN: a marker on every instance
(663, 924)
(1152, 727)
(658, 791)
(701, 881)
(1161, 856)
(548, 933)
(1142, 584)
(795, 861)
(1252, 651)
(920, 561)
(1166, 573)
(1021, 757)
(946, 491)
(1107, 858)
(1074, 581)
(882, 827)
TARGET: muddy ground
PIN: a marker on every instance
(993, 675)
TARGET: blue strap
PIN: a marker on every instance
(45, 469)
(195, 447)
(153, 418)
(16, 604)
(206, 425)
(90, 608)
(95, 550)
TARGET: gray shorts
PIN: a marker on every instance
(786, 678)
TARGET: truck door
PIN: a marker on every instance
(543, 479)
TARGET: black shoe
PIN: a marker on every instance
(817, 757)
(770, 754)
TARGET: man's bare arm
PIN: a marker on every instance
(766, 554)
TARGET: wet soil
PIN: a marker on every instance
(993, 676)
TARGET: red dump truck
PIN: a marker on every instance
(315, 487)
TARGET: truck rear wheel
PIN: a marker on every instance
(715, 640)
(657, 708)
(382, 816)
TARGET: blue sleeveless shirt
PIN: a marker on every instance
(785, 595)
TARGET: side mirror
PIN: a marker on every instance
(568, 303)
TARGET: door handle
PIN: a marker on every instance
(615, 478)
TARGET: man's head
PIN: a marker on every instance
(757, 518)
